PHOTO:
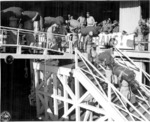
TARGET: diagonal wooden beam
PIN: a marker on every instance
(67, 113)
(83, 97)
(87, 113)
(66, 87)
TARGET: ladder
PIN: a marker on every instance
(139, 112)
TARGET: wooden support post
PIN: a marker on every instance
(87, 113)
(91, 116)
(108, 76)
(31, 70)
(50, 89)
(55, 94)
(0, 84)
(77, 88)
(45, 97)
(36, 72)
(65, 96)
(77, 95)
(18, 47)
(149, 51)
(149, 42)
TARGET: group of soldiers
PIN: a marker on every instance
(81, 27)
(85, 27)
(15, 17)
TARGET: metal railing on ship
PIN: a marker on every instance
(99, 78)
(40, 39)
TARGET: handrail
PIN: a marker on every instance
(113, 88)
(145, 74)
(98, 92)
(19, 31)
(27, 31)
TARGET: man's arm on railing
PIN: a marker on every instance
(33, 19)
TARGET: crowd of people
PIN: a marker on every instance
(34, 21)
(86, 27)
(83, 26)
(106, 26)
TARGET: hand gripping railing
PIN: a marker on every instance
(108, 93)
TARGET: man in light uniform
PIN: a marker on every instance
(140, 35)
(88, 45)
(50, 35)
(82, 20)
(90, 20)
(28, 19)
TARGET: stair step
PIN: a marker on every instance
(147, 115)
(113, 97)
(126, 115)
(145, 105)
(129, 117)
(115, 100)
(141, 110)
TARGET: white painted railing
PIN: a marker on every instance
(111, 89)
(77, 101)
(39, 42)
(53, 93)
(57, 100)
(135, 68)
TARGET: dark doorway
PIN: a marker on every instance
(15, 89)
(145, 8)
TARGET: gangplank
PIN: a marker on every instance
(79, 91)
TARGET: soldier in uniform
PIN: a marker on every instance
(90, 20)
(140, 33)
(121, 72)
(28, 18)
(12, 14)
(50, 35)
(82, 20)
(88, 45)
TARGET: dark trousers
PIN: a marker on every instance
(30, 38)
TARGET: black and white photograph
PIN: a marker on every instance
(75, 60)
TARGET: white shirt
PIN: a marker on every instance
(50, 34)
(81, 20)
(90, 21)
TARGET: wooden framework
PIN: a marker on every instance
(82, 93)
(96, 103)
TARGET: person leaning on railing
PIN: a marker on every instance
(28, 18)
(12, 35)
(141, 32)
(50, 34)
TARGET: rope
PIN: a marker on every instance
(26, 69)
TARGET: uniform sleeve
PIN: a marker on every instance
(85, 43)
(136, 31)
(78, 19)
(93, 19)
(41, 23)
